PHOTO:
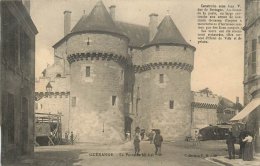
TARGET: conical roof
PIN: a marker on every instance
(168, 33)
(98, 20)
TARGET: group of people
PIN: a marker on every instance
(246, 147)
(155, 138)
(71, 137)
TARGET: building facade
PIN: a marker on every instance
(211, 109)
(119, 76)
(17, 80)
(252, 67)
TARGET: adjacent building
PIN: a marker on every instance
(211, 109)
(251, 114)
(17, 62)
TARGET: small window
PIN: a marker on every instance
(41, 106)
(87, 71)
(171, 104)
(58, 75)
(113, 100)
(36, 106)
(73, 101)
(88, 42)
(185, 48)
(161, 79)
(157, 48)
(122, 75)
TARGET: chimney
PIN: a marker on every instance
(27, 5)
(237, 100)
(67, 22)
(153, 25)
(112, 10)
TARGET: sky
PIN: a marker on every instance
(218, 65)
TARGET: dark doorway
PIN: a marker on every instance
(24, 126)
(128, 124)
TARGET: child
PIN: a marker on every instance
(137, 144)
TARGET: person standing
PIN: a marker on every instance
(66, 137)
(151, 135)
(137, 144)
(241, 143)
(248, 151)
(158, 139)
(196, 138)
(230, 141)
(72, 138)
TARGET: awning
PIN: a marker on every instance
(247, 110)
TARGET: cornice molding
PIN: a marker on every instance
(97, 56)
(163, 65)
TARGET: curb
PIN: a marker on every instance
(218, 162)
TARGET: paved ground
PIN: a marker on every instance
(174, 153)
(223, 160)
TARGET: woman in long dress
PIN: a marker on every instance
(248, 151)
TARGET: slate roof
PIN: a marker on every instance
(138, 34)
(98, 20)
(168, 33)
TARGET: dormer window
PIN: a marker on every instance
(48, 87)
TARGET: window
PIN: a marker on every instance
(36, 106)
(253, 60)
(157, 48)
(113, 100)
(161, 79)
(185, 48)
(88, 42)
(11, 36)
(24, 122)
(25, 52)
(122, 75)
(87, 71)
(10, 118)
(73, 101)
(171, 104)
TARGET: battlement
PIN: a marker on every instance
(205, 97)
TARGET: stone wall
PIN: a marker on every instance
(17, 82)
(153, 109)
(55, 104)
(94, 118)
(251, 80)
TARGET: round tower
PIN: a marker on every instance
(97, 53)
(163, 83)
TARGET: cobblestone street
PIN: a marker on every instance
(173, 153)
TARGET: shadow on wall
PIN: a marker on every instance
(66, 158)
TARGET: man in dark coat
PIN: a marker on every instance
(72, 138)
(158, 139)
(231, 145)
(242, 135)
